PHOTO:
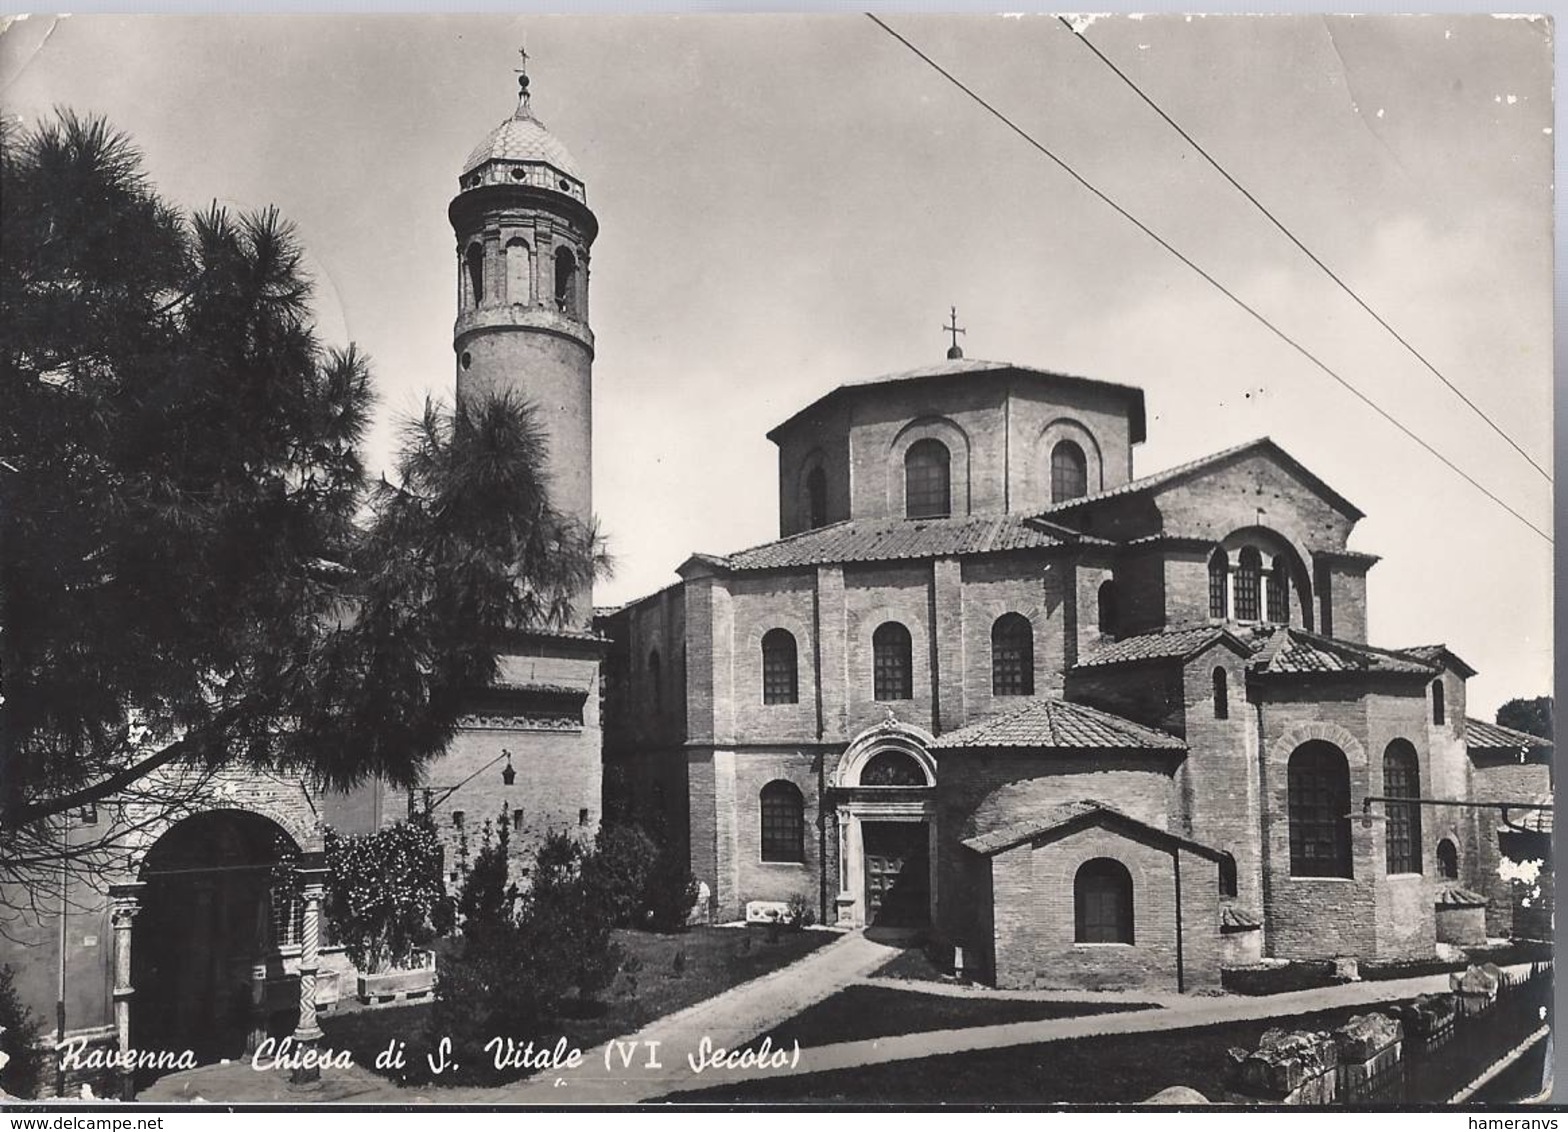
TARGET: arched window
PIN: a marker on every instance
(1107, 606)
(816, 498)
(783, 822)
(1228, 886)
(1437, 702)
(566, 281)
(1219, 578)
(1221, 694)
(927, 492)
(519, 283)
(1249, 578)
(1012, 656)
(655, 687)
(475, 260)
(1318, 781)
(779, 678)
(892, 676)
(1069, 472)
(1447, 860)
(1402, 779)
(891, 768)
(1102, 902)
(1279, 591)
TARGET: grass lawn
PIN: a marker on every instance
(648, 987)
(1111, 1069)
(860, 1012)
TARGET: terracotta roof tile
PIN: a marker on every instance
(1051, 724)
(1161, 645)
(1054, 817)
(1292, 651)
(1491, 736)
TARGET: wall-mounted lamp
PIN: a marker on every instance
(508, 775)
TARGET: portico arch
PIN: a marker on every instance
(884, 790)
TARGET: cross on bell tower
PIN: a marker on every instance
(954, 352)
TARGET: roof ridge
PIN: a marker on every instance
(1153, 478)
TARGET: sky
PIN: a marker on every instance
(787, 203)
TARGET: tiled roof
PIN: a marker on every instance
(1452, 896)
(1291, 651)
(1233, 919)
(522, 137)
(1181, 471)
(1530, 821)
(1437, 656)
(881, 540)
(1051, 724)
(957, 366)
(1491, 736)
(1054, 817)
(1161, 645)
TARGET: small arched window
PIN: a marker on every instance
(892, 663)
(1219, 578)
(1438, 712)
(519, 284)
(1228, 884)
(1221, 694)
(1012, 656)
(1447, 860)
(891, 768)
(816, 498)
(1279, 591)
(1249, 579)
(1318, 784)
(927, 487)
(655, 686)
(779, 675)
(475, 261)
(566, 281)
(1069, 472)
(1402, 834)
(1107, 601)
(783, 822)
(1102, 902)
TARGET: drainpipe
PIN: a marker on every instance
(59, 1002)
(1181, 971)
(1266, 883)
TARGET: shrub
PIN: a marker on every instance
(619, 869)
(669, 893)
(386, 899)
(487, 896)
(22, 1073)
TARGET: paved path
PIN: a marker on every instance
(1181, 1013)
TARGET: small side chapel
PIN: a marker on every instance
(1093, 729)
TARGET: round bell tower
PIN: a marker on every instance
(523, 230)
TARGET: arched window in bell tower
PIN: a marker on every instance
(566, 281)
(1069, 472)
(519, 284)
(474, 261)
(816, 498)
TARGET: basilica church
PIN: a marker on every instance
(1088, 728)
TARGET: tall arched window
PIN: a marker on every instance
(1102, 902)
(1012, 656)
(892, 663)
(779, 675)
(783, 822)
(1107, 602)
(1402, 779)
(927, 492)
(519, 282)
(1219, 579)
(816, 498)
(1279, 591)
(1437, 702)
(1318, 781)
(566, 281)
(1069, 472)
(1228, 880)
(475, 261)
(1249, 578)
(1221, 694)
(654, 683)
(1447, 859)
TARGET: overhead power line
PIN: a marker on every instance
(1211, 280)
(1306, 251)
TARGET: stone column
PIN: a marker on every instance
(126, 903)
(308, 1033)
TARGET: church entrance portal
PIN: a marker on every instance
(897, 874)
(206, 962)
